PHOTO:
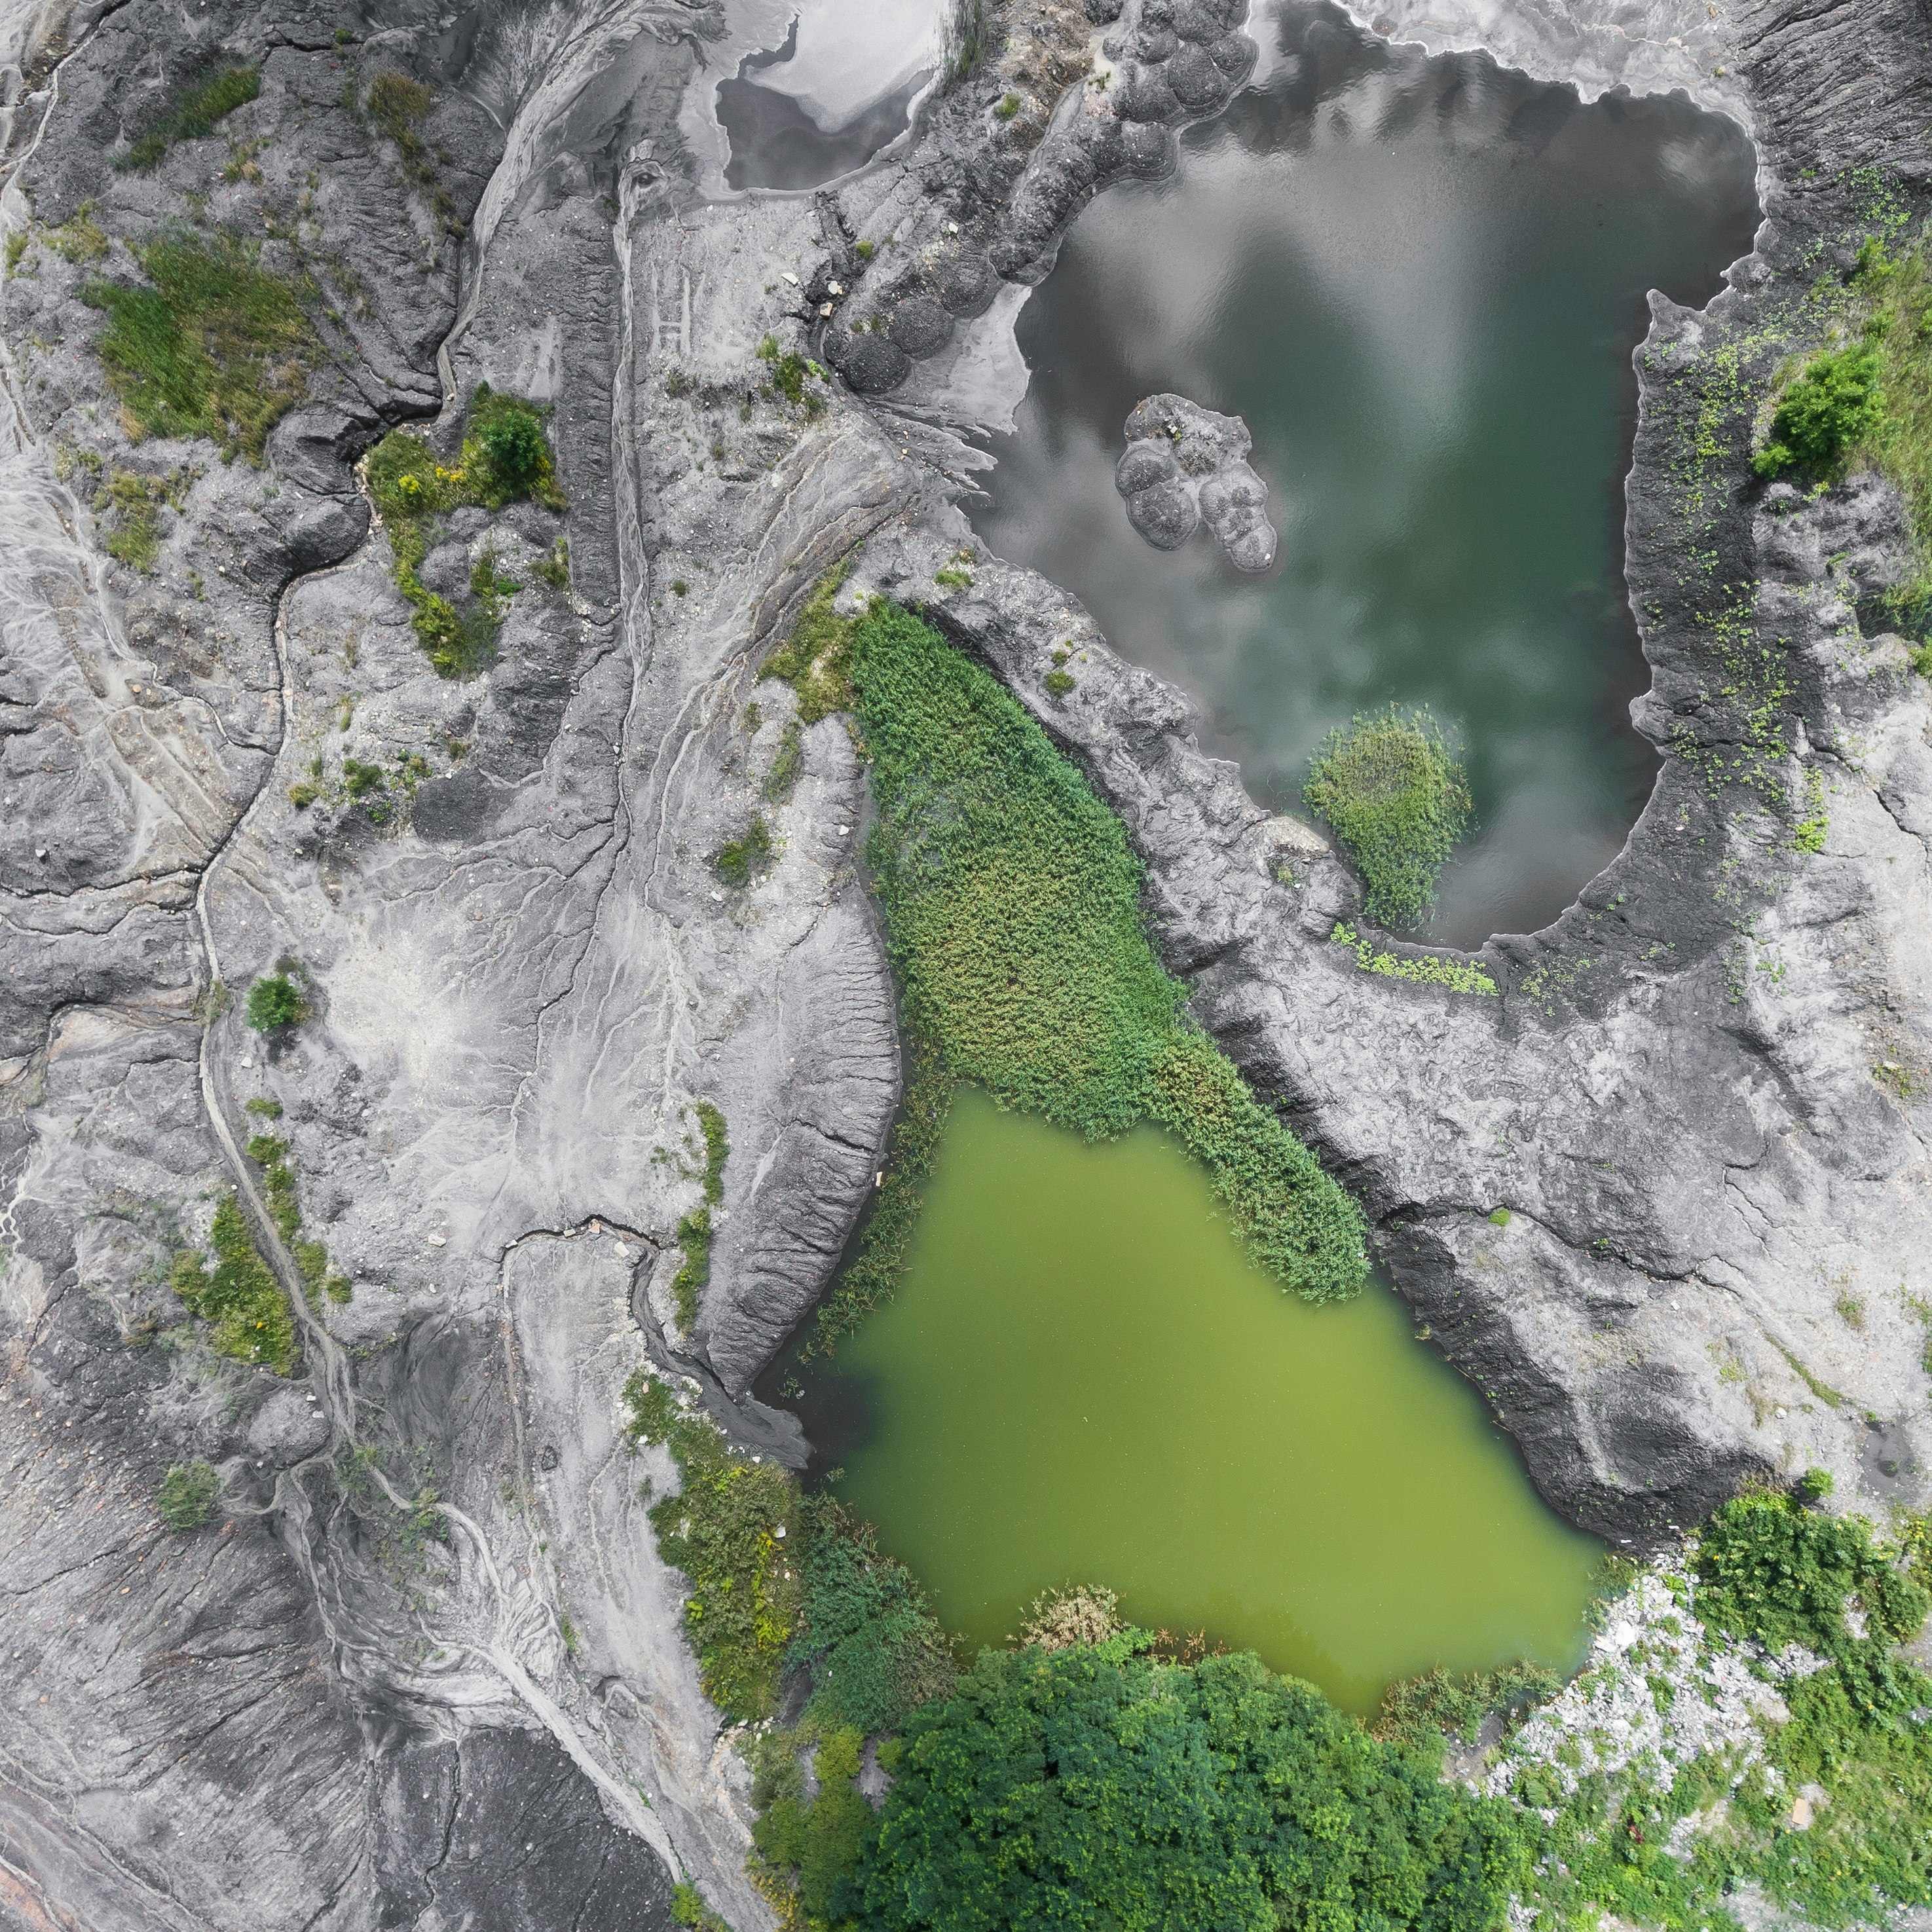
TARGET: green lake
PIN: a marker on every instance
(1081, 1379)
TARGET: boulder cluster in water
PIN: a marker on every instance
(1185, 467)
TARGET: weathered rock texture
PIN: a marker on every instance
(429, 1624)
(1185, 466)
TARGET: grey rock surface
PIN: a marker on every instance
(1185, 466)
(427, 1625)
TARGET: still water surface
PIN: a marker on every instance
(1420, 281)
(1082, 1380)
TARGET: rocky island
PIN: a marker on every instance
(522, 795)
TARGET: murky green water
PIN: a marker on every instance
(1083, 1380)
(1420, 281)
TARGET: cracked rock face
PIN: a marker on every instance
(423, 1664)
(1184, 467)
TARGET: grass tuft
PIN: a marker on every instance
(505, 458)
(187, 1496)
(214, 345)
(192, 114)
(1394, 791)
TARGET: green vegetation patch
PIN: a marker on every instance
(214, 346)
(1768, 1572)
(816, 660)
(506, 458)
(135, 503)
(1458, 976)
(694, 1230)
(271, 1154)
(805, 1848)
(875, 1650)
(275, 1001)
(187, 1495)
(1393, 790)
(1013, 910)
(192, 114)
(733, 1530)
(239, 1297)
(791, 375)
(738, 860)
(1139, 1792)
(1420, 1713)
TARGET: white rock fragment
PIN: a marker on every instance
(438, 1240)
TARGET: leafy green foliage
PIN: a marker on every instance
(737, 860)
(1394, 791)
(216, 347)
(187, 1496)
(276, 1001)
(1431, 969)
(790, 372)
(505, 458)
(191, 116)
(876, 1650)
(731, 1529)
(240, 1296)
(1013, 911)
(816, 660)
(806, 1847)
(1092, 1787)
(1772, 1571)
(1831, 402)
(688, 1908)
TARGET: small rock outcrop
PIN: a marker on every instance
(1186, 465)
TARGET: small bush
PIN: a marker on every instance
(1082, 1614)
(816, 660)
(1831, 402)
(1009, 106)
(192, 114)
(783, 774)
(554, 569)
(187, 1496)
(1393, 789)
(810, 1845)
(275, 1001)
(1058, 684)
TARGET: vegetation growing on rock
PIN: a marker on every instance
(239, 1297)
(732, 1528)
(506, 458)
(693, 1229)
(192, 114)
(275, 1001)
(186, 1497)
(214, 345)
(1831, 401)
(1393, 788)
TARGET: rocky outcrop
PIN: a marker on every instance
(1186, 465)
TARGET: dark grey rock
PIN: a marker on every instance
(920, 326)
(1185, 466)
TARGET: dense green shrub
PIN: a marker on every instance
(271, 1154)
(733, 1529)
(805, 1847)
(1394, 790)
(1091, 1786)
(275, 1001)
(1013, 913)
(239, 1296)
(1421, 1712)
(187, 1496)
(876, 1650)
(192, 114)
(1825, 408)
(215, 346)
(505, 458)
